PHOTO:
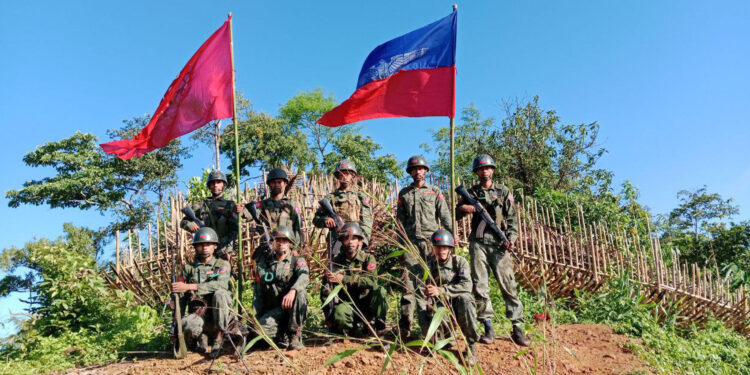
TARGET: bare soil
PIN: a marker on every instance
(563, 349)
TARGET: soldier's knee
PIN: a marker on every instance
(192, 325)
(222, 297)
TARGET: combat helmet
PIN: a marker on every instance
(205, 235)
(217, 176)
(345, 165)
(286, 232)
(277, 173)
(416, 161)
(483, 160)
(443, 237)
(353, 229)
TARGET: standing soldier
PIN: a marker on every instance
(421, 210)
(488, 254)
(356, 271)
(216, 213)
(208, 299)
(452, 285)
(350, 205)
(279, 296)
(278, 210)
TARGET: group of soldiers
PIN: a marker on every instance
(359, 307)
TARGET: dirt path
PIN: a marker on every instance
(564, 349)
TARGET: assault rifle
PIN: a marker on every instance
(191, 215)
(179, 349)
(266, 238)
(485, 216)
(326, 205)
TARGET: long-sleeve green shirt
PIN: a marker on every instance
(275, 278)
(453, 277)
(210, 276)
(422, 211)
(351, 206)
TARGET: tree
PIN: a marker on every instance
(531, 147)
(300, 113)
(698, 208)
(361, 150)
(292, 139)
(265, 142)
(470, 140)
(88, 178)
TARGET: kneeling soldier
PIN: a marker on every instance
(356, 271)
(279, 298)
(209, 299)
(452, 277)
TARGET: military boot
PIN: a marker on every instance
(218, 345)
(518, 337)
(489, 333)
(296, 340)
(471, 354)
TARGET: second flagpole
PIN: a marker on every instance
(240, 253)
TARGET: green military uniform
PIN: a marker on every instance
(361, 283)
(273, 280)
(213, 288)
(218, 214)
(421, 211)
(351, 206)
(488, 253)
(454, 280)
(284, 212)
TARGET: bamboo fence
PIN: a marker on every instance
(562, 252)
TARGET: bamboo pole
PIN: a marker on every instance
(240, 253)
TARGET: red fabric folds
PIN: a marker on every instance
(408, 93)
(202, 92)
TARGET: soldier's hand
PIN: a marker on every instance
(193, 227)
(330, 223)
(335, 277)
(239, 208)
(467, 208)
(510, 245)
(432, 291)
(180, 287)
(288, 300)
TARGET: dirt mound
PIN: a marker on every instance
(564, 349)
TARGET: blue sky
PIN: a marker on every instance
(668, 81)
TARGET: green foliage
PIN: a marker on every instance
(293, 139)
(197, 190)
(75, 318)
(531, 147)
(697, 208)
(88, 178)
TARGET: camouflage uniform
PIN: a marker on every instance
(218, 214)
(283, 212)
(421, 211)
(273, 280)
(453, 279)
(351, 206)
(361, 283)
(213, 288)
(488, 253)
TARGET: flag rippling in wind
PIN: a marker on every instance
(413, 75)
(202, 92)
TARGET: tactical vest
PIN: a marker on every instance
(277, 213)
(348, 206)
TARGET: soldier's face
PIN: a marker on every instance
(485, 173)
(216, 187)
(418, 173)
(441, 253)
(351, 243)
(345, 177)
(282, 245)
(277, 186)
(205, 250)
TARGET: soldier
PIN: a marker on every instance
(349, 204)
(488, 254)
(279, 296)
(452, 285)
(421, 210)
(357, 271)
(208, 299)
(278, 210)
(217, 213)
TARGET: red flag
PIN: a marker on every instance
(201, 93)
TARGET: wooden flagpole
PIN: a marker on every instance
(453, 151)
(240, 253)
